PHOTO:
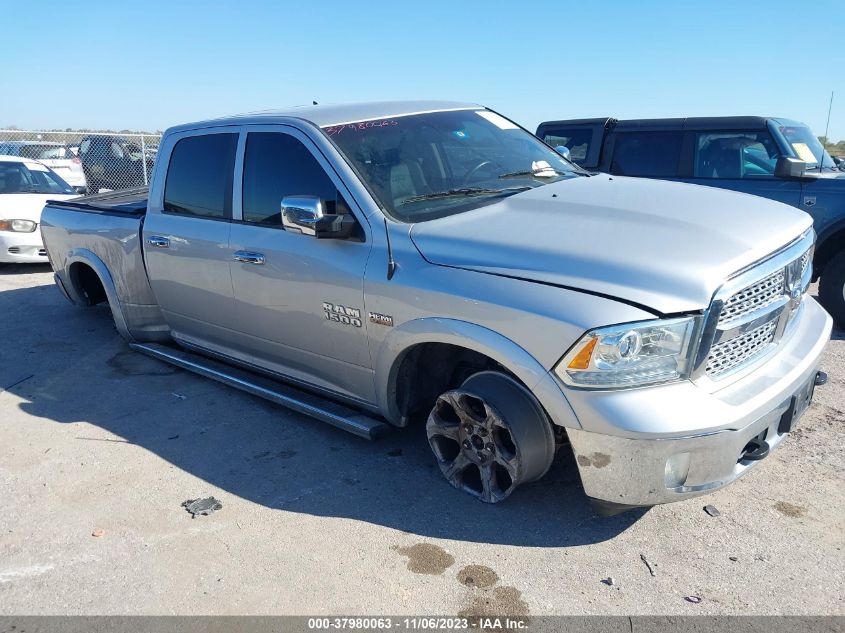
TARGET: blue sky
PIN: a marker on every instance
(148, 65)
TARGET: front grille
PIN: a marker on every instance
(42, 252)
(729, 354)
(752, 319)
(754, 297)
(14, 250)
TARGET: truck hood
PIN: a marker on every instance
(663, 245)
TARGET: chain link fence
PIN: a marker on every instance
(90, 162)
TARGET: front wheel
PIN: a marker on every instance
(490, 435)
(832, 289)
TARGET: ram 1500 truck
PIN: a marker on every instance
(433, 262)
(770, 157)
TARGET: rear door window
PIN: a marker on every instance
(576, 140)
(646, 154)
(199, 176)
(735, 155)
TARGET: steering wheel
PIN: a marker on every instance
(475, 170)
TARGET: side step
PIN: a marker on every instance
(286, 395)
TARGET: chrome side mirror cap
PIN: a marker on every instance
(306, 215)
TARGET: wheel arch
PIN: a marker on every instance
(828, 244)
(82, 257)
(404, 339)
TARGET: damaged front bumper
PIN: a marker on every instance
(643, 447)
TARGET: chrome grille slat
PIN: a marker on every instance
(752, 317)
(725, 356)
(754, 297)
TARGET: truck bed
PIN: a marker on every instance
(132, 202)
(103, 232)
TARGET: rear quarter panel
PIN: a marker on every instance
(75, 236)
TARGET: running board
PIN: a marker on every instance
(286, 395)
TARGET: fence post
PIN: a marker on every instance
(144, 160)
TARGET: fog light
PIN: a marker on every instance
(676, 471)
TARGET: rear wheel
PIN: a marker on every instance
(832, 289)
(489, 436)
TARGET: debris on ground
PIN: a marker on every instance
(609, 581)
(173, 437)
(693, 599)
(179, 395)
(98, 532)
(711, 510)
(202, 506)
(733, 558)
(647, 564)
(394, 452)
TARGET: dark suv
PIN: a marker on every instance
(770, 157)
(113, 162)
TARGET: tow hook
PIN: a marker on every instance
(755, 450)
(821, 379)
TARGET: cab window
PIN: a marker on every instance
(646, 154)
(278, 165)
(576, 140)
(735, 155)
(199, 176)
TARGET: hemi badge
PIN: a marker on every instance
(381, 319)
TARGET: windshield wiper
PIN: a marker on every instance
(536, 173)
(464, 192)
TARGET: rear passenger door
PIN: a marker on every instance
(299, 301)
(742, 161)
(186, 237)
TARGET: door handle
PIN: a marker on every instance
(158, 242)
(247, 257)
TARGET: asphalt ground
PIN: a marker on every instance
(100, 447)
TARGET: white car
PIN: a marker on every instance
(57, 156)
(25, 186)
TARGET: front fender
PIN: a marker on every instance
(478, 339)
(87, 257)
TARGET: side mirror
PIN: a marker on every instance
(787, 167)
(305, 215)
(563, 151)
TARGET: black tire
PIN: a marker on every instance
(490, 436)
(832, 289)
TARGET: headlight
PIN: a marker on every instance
(18, 226)
(630, 355)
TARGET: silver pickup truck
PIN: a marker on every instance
(435, 263)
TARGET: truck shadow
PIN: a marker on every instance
(71, 366)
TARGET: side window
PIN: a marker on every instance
(735, 155)
(577, 140)
(199, 177)
(84, 145)
(647, 154)
(278, 165)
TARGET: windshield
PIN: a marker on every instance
(806, 146)
(427, 166)
(31, 178)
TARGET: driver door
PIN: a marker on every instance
(299, 300)
(742, 161)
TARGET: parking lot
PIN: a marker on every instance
(100, 446)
